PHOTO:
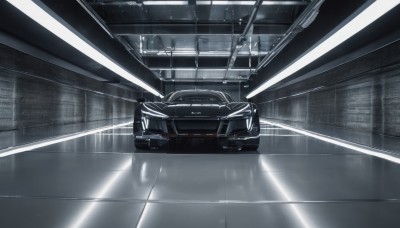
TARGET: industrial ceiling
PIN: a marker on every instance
(202, 40)
(193, 41)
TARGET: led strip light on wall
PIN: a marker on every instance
(374, 11)
(336, 142)
(36, 13)
(36, 145)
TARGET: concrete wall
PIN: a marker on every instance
(363, 94)
(36, 93)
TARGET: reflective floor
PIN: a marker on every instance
(292, 180)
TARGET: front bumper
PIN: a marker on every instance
(235, 133)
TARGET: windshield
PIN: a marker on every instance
(199, 97)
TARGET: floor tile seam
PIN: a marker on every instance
(237, 154)
(148, 196)
(225, 196)
(222, 202)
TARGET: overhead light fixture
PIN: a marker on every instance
(163, 3)
(35, 12)
(202, 69)
(360, 21)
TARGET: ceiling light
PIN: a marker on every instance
(35, 12)
(201, 69)
(360, 21)
(163, 3)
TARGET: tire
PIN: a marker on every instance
(141, 146)
(250, 147)
(172, 145)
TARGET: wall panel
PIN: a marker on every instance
(369, 102)
(35, 93)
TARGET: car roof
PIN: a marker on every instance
(219, 93)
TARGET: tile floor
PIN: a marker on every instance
(292, 180)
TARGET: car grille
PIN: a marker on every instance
(197, 126)
(190, 126)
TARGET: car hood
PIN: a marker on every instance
(196, 110)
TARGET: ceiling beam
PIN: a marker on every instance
(203, 62)
(241, 40)
(199, 69)
(198, 2)
(302, 22)
(184, 29)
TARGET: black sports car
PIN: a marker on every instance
(197, 114)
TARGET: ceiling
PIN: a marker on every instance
(201, 40)
(205, 42)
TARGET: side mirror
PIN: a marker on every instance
(140, 100)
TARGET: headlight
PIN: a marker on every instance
(146, 111)
(244, 112)
(154, 114)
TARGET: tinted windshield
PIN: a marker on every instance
(202, 97)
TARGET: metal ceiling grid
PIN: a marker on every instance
(204, 35)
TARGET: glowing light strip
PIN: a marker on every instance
(337, 142)
(201, 69)
(279, 135)
(39, 15)
(153, 112)
(36, 145)
(362, 20)
(285, 193)
(105, 188)
(162, 3)
(238, 111)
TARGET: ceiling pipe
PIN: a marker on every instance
(302, 22)
(240, 42)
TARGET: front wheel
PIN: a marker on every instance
(141, 146)
(250, 147)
